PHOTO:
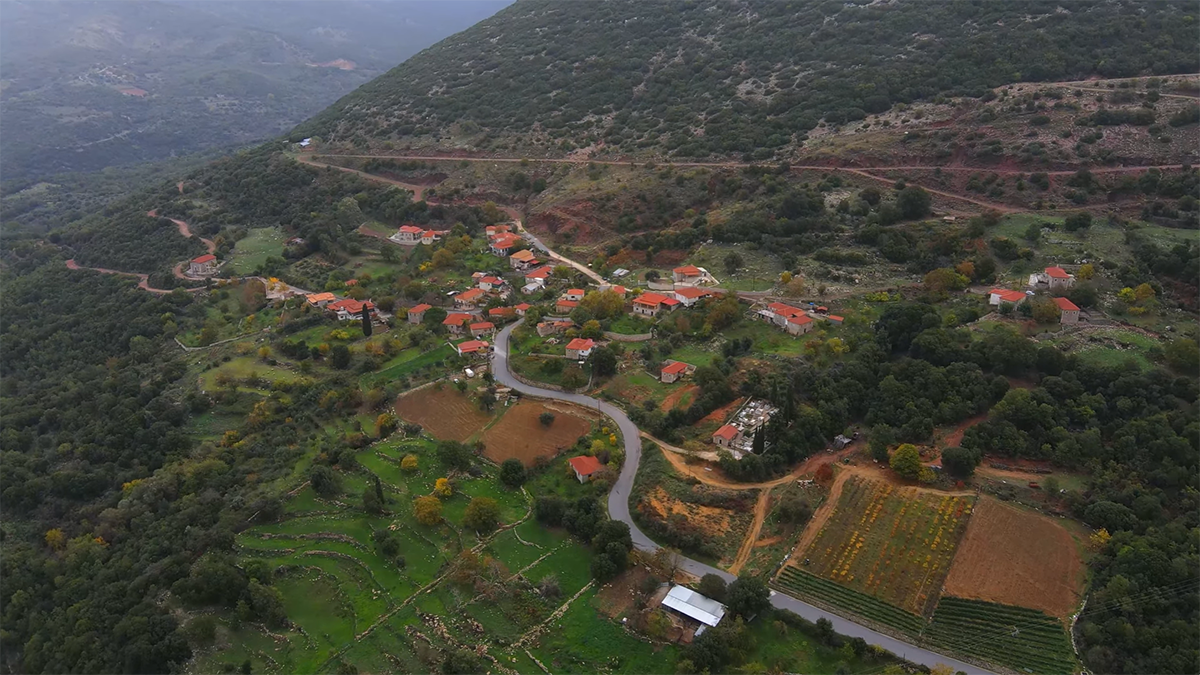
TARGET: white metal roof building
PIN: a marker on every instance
(691, 604)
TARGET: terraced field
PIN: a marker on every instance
(895, 544)
(798, 582)
(1023, 639)
(443, 589)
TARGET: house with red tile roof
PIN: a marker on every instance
(482, 328)
(493, 230)
(471, 347)
(834, 318)
(350, 309)
(687, 273)
(690, 295)
(726, 436)
(469, 298)
(585, 467)
(502, 313)
(564, 306)
(409, 235)
(522, 308)
(574, 294)
(580, 348)
(454, 322)
(675, 370)
(650, 303)
(489, 283)
(522, 260)
(503, 244)
(203, 266)
(1069, 311)
(999, 296)
(430, 236)
(320, 299)
(417, 314)
(1052, 279)
(798, 325)
(619, 290)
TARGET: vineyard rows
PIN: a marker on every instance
(1016, 637)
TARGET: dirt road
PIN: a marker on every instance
(419, 194)
(143, 279)
(760, 515)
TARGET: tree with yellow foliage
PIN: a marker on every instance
(55, 539)
(1086, 272)
(409, 463)
(785, 278)
(428, 510)
(441, 487)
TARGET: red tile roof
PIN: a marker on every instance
(585, 465)
(539, 273)
(494, 281)
(350, 305)
(1066, 305)
(321, 297)
(483, 325)
(1057, 273)
(420, 309)
(784, 310)
(412, 229)
(799, 320)
(208, 257)
(574, 291)
(651, 299)
(456, 319)
(502, 311)
(674, 367)
(1007, 295)
(835, 318)
(687, 269)
(471, 346)
(728, 432)
(692, 292)
(469, 295)
(570, 304)
(581, 344)
(670, 302)
(522, 307)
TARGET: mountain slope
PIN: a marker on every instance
(734, 77)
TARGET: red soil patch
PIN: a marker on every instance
(721, 414)
(1015, 557)
(519, 434)
(132, 91)
(444, 412)
(676, 396)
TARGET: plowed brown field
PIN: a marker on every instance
(521, 435)
(445, 413)
(1012, 556)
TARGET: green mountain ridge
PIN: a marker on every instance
(729, 78)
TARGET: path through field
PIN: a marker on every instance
(760, 515)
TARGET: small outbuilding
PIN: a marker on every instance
(585, 467)
(694, 606)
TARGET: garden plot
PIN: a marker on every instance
(443, 412)
(1022, 639)
(1042, 568)
(892, 543)
(520, 433)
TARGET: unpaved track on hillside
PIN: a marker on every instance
(760, 515)
(419, 194)
(143, 279)
(186, 231)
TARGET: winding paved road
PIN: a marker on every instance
(618, 509)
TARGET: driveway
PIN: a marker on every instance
(618, 509)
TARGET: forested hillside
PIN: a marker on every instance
(737, 77)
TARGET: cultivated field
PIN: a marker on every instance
(1023, 639)
(520, 434)
(1042, 568)
(443, 412)
(893, 543)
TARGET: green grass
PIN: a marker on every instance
(1020, 638)
(1135, 347)
(253, 250)
(243, 367)
(628, 324)
(585, 642)
(769, 339)
(759, 271)
(409, 367)
(797, 582)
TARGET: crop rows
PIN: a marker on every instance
(1023, 639)
(896, 544)
(799, 582)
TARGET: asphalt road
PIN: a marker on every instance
(618, 509)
